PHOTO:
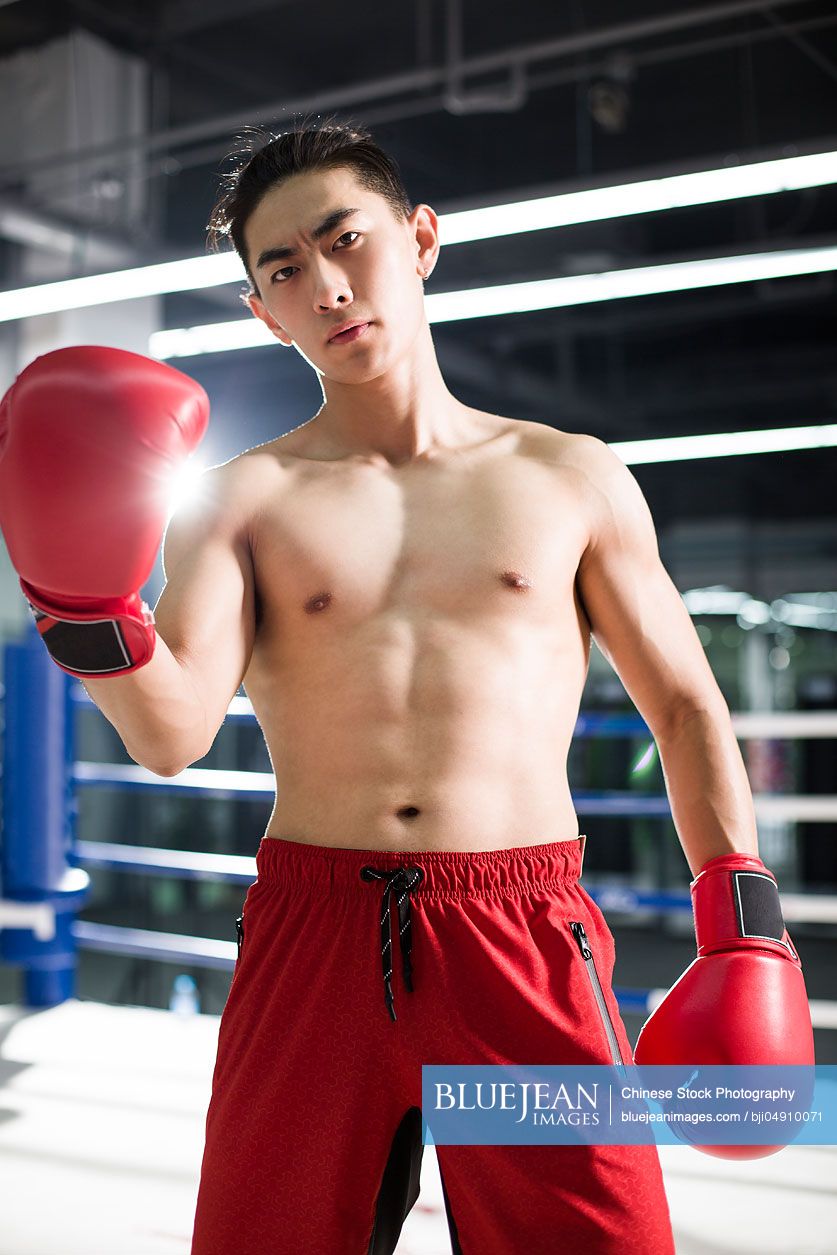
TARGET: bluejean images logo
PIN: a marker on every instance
(629, 1105)
(574, 1104)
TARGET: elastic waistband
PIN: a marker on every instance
(447, 873)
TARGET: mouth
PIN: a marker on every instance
(350, 334)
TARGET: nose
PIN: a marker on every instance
(331, 289)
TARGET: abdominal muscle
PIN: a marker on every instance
(439, 737)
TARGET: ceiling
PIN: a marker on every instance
(484, 103)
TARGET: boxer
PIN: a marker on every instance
(407, 587)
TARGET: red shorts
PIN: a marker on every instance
(313, 1134)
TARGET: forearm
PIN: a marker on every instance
(708, 789)
(155, 710)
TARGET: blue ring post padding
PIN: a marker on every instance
(36, 863)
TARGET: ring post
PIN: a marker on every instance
(37, 860)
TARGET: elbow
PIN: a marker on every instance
(172, 763)
(165, 767)
(716, 712)
(168, 770)
(173, 767)
(161, 769)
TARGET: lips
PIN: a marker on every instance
(348, 333)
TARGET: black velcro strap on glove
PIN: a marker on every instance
(757, 906)
(94, 647)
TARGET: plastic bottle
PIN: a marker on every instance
(184, 998)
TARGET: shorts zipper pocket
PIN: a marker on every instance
(239, 932)
(577, 929)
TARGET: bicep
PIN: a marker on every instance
(206, 611)
(636, 613)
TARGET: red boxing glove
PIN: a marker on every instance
(89, 438)
(743, 999)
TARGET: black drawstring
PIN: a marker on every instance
(403, 880)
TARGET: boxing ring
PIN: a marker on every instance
(103, 1107)
(44, 863)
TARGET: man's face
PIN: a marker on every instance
(366, 267)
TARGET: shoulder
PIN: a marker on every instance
(618, 515)
(219, 495)
(217, 504)
(608, 495)
(241, 485)
(592, 459)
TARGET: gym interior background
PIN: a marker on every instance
(717, 384)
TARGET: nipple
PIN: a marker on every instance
(320, 601)
(513, 579)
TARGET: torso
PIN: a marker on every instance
(421, 647)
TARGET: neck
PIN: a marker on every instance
(404, 414)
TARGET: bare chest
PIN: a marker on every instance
(496, 539)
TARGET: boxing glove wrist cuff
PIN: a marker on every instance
(95, 637)
(736, 906)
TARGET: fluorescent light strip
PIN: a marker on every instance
(121, 285)
(650, 196)
(610, 285)
(213, 337)
(515, 298)
(726, 444)
(647, 196)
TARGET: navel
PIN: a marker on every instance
(320, 601)
(408, 812)
(513, 579)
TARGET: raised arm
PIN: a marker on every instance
(169, 711)
(89, 439)
(206, 611)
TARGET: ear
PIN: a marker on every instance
(259, 310)
(424, 229)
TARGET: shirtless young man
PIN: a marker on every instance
(407, 588)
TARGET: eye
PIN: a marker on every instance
(274, 278)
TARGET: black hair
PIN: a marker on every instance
(261, 160)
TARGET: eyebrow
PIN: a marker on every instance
(328, 224)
